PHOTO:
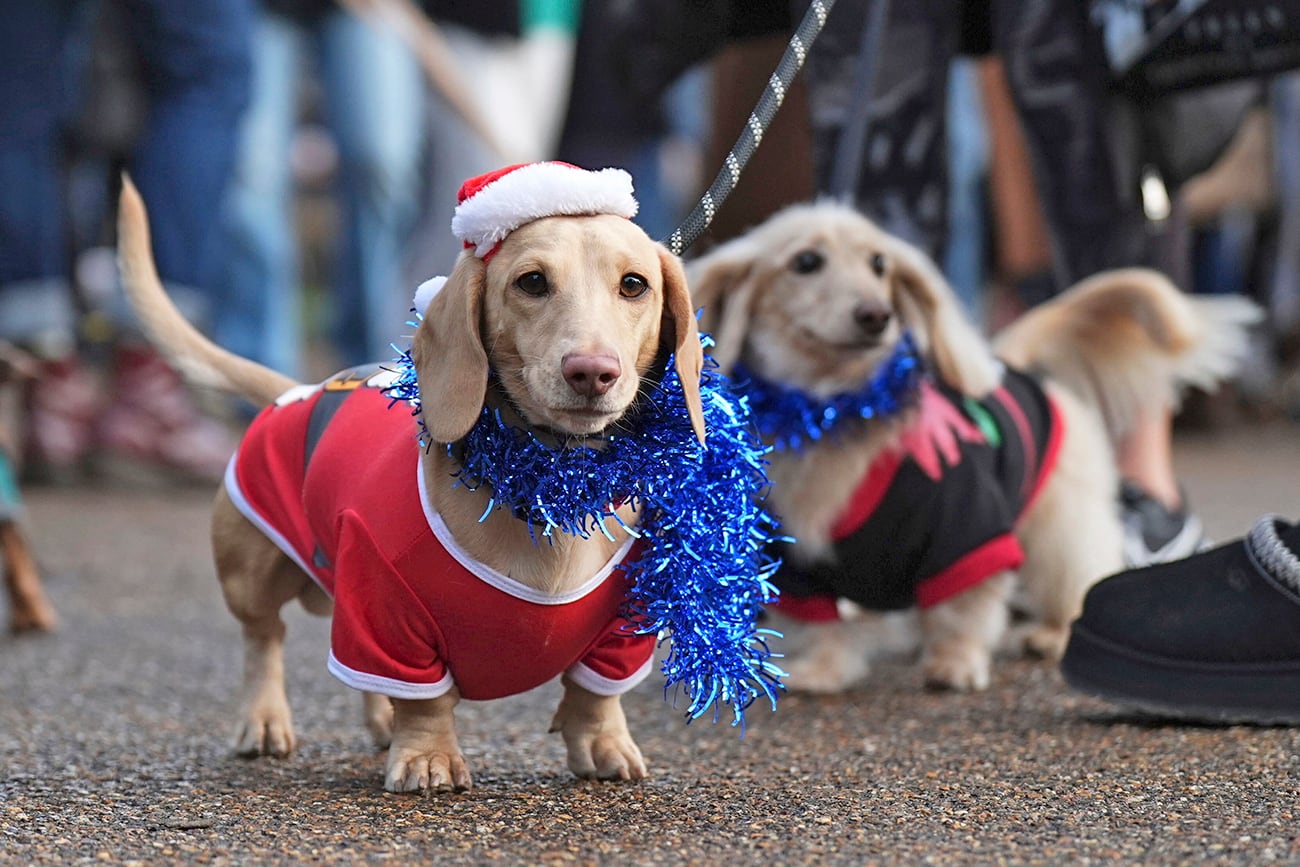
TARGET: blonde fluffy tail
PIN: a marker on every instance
(199, 360)
(1129, 340)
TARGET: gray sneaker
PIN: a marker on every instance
(1154, 533)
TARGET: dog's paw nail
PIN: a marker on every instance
(404, 779)
(1047, 642)
(609, 759)
(263, 739)
(956, 676)
(432, 774)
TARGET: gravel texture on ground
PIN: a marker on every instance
(114, 736)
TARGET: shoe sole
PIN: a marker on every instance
(1226, 694)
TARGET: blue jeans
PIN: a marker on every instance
(374, 101)
(195, 76)
(968, 162)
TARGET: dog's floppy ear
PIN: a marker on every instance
(961, 356)
(683, 335)
(722, 284)
(450, 362)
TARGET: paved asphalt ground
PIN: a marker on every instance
(114, 734)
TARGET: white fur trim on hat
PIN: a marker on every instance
(539, 190)
(426, 291)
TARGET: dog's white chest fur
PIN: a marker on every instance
(811, 488)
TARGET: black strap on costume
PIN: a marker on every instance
(334, 391)
(760, 119)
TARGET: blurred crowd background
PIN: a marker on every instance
(301, 170)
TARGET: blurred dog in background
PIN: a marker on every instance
(998, 463)
(29, 609)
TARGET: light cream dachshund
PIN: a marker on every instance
(816, 299)
(571, 314)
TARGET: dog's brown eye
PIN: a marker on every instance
(533, 283)
(633, 286)
(878, 264)
(807, 261)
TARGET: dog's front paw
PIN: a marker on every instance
(266, 728)
(604, 756)
(438, 771)
(960, 668)
(425, 755)
(596, 736)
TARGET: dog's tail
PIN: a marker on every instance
(1128, 340)
(199, 360)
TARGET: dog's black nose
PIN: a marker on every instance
(590, 375)
(872, 318)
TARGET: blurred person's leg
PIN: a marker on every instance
(1058, 80)
(1284, 293)
(684, 173)
(902, 171)
(40, 84)
(968, 162)
(1159, 525)
(604, 126)
(1088, 189)
(525, 68)
(375, 99)
(195, 64)
(261, 299)
(453, 154)
(1021, 248)
(39, 101)
(667, 168)
(196, 58)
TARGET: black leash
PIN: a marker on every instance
(760, 119)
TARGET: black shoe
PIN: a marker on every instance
(1154, 533)
(1213, 638)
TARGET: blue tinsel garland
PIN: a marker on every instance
(790, 419)
(703, 574)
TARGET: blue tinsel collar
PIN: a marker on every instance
(703, 575)
(791, 419)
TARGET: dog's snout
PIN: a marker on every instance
(873, 319)
(590, 375)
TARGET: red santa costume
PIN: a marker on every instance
(332, 476)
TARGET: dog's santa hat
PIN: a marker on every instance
(493, 205)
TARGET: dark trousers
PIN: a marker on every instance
(194, 65)
(1058, 82)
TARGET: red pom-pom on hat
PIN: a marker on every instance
(493, 205)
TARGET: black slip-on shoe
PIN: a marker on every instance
(1212, 638)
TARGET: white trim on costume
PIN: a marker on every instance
(246, 509)
(502, 582)
(296, 393)
(388, 686)
(592, 681)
